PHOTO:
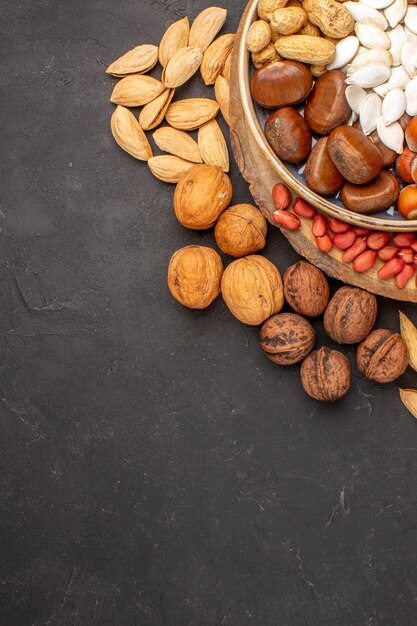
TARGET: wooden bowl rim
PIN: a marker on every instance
(320, 203)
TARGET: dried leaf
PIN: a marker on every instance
(409, 400)
(206, 26)
(136, 90)
(137, 61)
(153, 113)
(409, 334)
(175, 38)
(129, 135)
(178, 143)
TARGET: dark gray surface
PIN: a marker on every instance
(156, 469)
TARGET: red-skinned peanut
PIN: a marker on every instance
(365, 261)
(404, 276)
(286, 219)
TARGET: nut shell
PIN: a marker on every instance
(283, 83)
(288, 135)
(287, 338)
(325, 375)
(383, 356)
(252, 289)
(354, 154)
(327, 107)
(306, 289)
(241, 230)
(194, 276)
(201, 196)
(350, 315)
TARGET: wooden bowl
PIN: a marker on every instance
(255, 118)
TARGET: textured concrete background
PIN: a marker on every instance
(155, 468)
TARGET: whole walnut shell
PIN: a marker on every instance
(306, 289)
(201, 196)
(287, 338)
(350, 315)
(194, 276)
(383, 356)
(325, 375)
(241, 230)
(252, 289)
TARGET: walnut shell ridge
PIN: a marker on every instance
(252, 289)
(194, 276)
(287, 338)
(350, 315)
(241, 230)
(306, 289)
(383, 356)
(325, 375)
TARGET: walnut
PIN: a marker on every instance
(306, 289)
(201, 196)
(241, 230)
(287, 338)
(383, 356)
(325, 375)
(194, 276)
(350, 316)
(252, 289)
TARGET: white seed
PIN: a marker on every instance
(409, 55)
(411, 96)
(381, 57)
(410, 19)
(372, 37)
(377, 4)
(392, 136)
(369, 76)
(353, 118)
(345, 51)
(370, 112)
(393, 106)
(395, 12)
(364, 14)
(381, 90)
(398, 79)
(355, 95)
(397, 37)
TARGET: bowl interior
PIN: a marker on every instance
(332, 206)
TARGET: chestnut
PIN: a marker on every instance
(377, 195)
(407, 202)
(327, 107)
(321, 174)
(289, 135)
(404, 163)
(354, 154)
(388, 155)
(281, 84)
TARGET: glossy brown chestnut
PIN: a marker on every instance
(321, 174)
(327, 107)
(289, 135)
(388, 155)
(354, 155)
(281, 84)
(377, 195)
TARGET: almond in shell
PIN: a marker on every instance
(153, 113)
(169, 168)
(222, 94)
(181, 67)
(191, 113)
(215, 57)
(227, 66)
(136, 90)
(213, 147)
(178, 143)
(129, 135)
(206, 26)
(137, 61)
(175, 38)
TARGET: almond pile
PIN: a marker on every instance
(182, 51)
